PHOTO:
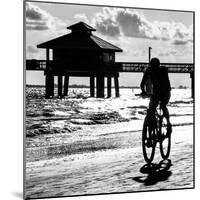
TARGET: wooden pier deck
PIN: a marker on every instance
(53, 68)
(41, 65)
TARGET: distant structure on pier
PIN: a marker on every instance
(80, 53)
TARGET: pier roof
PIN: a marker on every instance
(81, 37)
(81, 26)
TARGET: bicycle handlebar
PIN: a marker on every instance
(143, 95)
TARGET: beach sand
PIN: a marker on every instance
(113, 171)
(81, 146)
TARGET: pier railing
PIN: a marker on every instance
(53, 68)
(141, 67)
(41, 65)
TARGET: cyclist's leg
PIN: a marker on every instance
(153, 103)
(163, 104)
(151, 122)
(166, 113)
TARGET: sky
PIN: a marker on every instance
(169, 33)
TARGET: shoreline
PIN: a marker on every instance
(87, 87)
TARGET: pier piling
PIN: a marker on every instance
(51, 89)
(109, 85)
(66, 85)
(116, 85)
(47, 86)
(100, 86)
(92, 84)
(60, 94)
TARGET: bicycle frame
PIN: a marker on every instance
(160, 119)
(153, 133)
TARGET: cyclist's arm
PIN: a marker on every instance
(168, 85)
(144, 80)
(168, 81)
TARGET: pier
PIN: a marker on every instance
(82, 54)
(110, 70)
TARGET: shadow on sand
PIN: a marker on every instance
(155, 173)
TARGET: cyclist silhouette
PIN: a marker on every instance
(161, 89)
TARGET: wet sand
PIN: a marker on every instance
(118, 169)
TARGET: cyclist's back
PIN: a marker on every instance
(159, 78)
(161, 86)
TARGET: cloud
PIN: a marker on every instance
(110, 30)
(39, 19)
(180, 42)
(171, 53)
(33, 13)
(32, 49)
(174, 53)
(105, 22)
(130, 23)
(182, 35)
(82, 17)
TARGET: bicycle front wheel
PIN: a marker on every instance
(165, 139)
(148, 142)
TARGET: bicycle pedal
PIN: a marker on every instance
(149, 143)
(163, 137)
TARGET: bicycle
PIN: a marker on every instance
(154, 131)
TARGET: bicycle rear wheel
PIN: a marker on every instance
(165, 139)
(148, 141)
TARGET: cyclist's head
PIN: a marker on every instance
(155, 63)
